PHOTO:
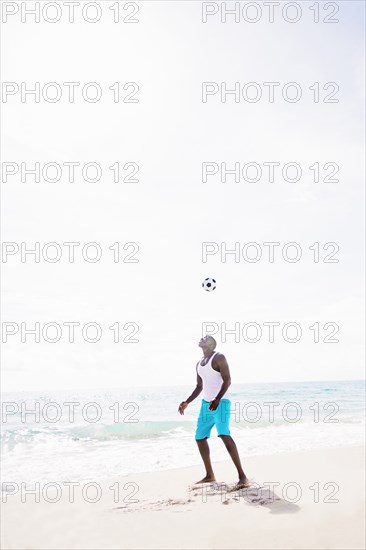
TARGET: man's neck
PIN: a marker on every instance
(208, 353)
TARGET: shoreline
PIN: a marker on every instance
(311, 499)
(243, 457)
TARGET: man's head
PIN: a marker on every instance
(207, 343)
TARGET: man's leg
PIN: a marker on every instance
(233, 452)
(204, 449)
(205, 422)
(222, 419)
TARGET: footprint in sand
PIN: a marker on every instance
(253, 494)
(155, 505)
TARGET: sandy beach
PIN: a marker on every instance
(302, 500)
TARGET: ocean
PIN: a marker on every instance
(89, 435)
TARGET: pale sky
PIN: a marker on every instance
(170, 212)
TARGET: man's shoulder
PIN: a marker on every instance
(218, 358)
(220, 364)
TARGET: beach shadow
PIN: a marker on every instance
(224, 493)
(254, 495)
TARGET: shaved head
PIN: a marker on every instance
(207, 343)
(211, 341)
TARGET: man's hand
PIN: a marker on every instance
(214, 404)
(182, 407)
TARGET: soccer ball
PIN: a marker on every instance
(209, 284)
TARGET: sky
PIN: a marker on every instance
(170, 212)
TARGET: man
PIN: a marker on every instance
(213, 377)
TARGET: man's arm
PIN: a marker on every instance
(193, 395)
(196, 391)
(223, 367)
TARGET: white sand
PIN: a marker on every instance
(170, 513)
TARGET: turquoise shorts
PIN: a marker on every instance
(207, 419)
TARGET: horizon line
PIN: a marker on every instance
(179, 385)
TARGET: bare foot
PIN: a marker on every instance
(243, 483)
(206, 479)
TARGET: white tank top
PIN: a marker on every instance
(211, 380)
